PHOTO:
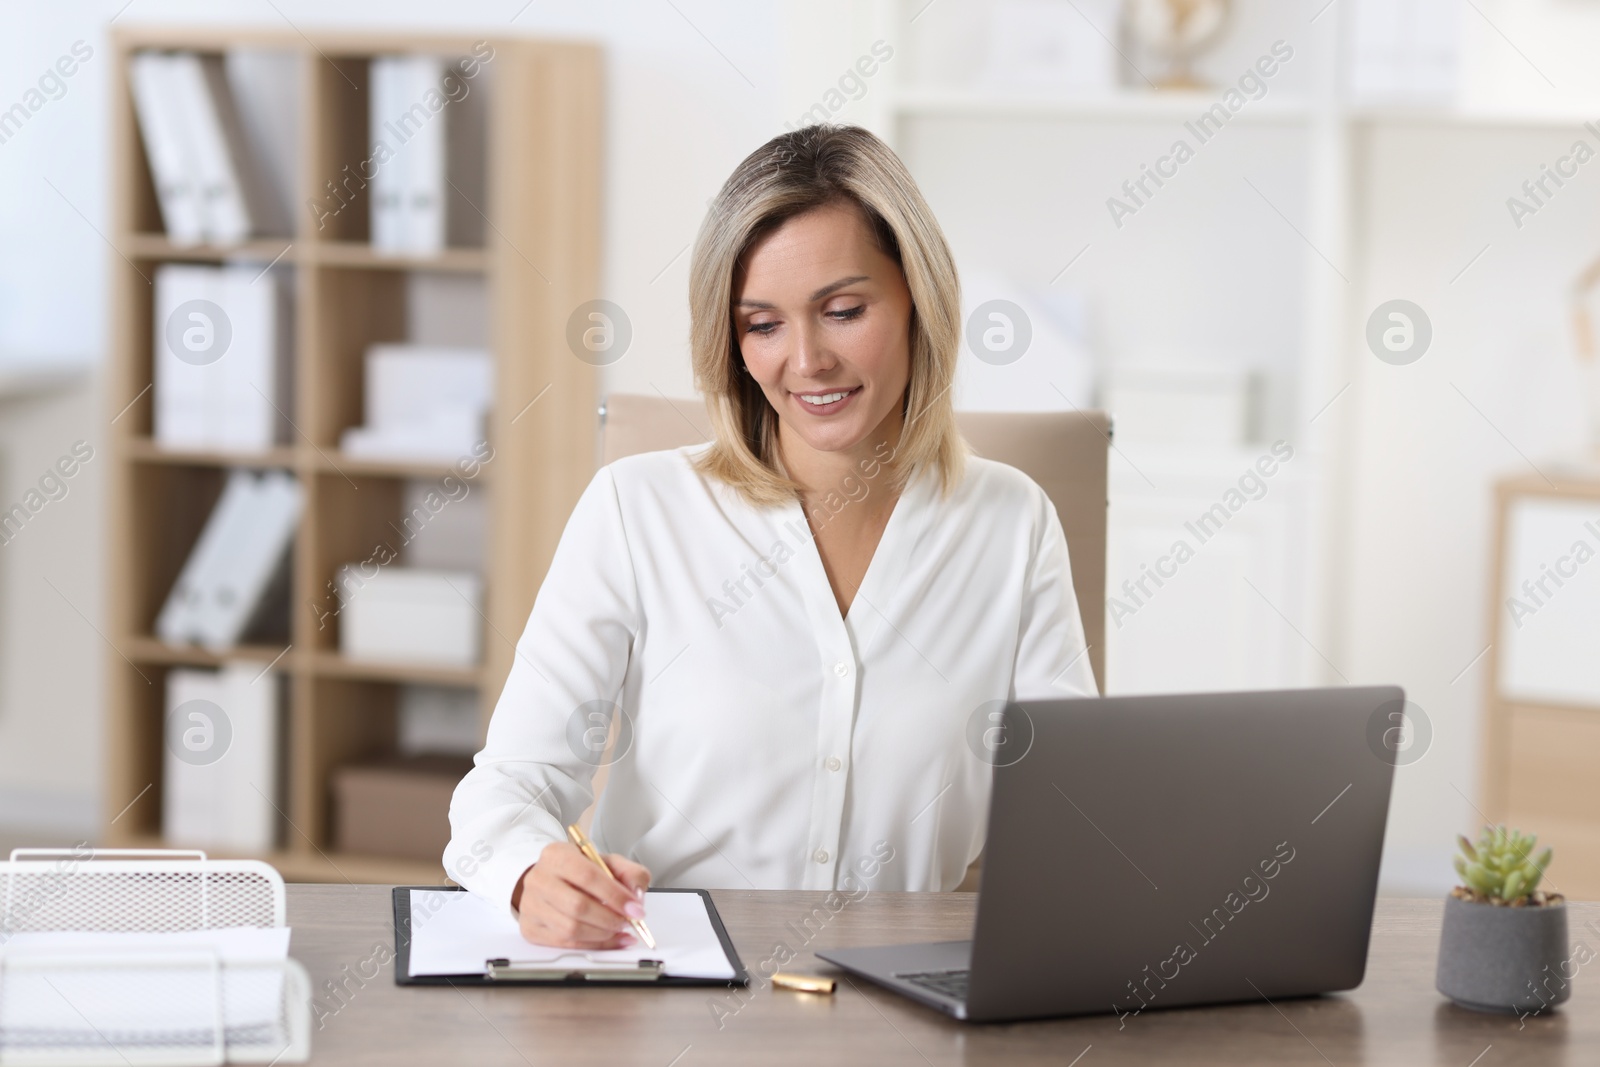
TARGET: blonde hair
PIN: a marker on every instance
(792, 174)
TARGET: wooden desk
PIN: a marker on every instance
(343, 933)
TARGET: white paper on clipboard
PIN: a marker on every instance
(455, 933)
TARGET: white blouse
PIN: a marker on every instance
(774, 744)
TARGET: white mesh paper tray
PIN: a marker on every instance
(111, 889)
(144, 1007)
(141, 1010)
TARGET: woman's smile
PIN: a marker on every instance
(826, 403)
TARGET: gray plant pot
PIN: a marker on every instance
(1504, 959)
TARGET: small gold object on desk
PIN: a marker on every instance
(803, 983)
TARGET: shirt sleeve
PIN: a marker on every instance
(1052, 651)
(530, 781)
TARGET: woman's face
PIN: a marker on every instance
(823, 319)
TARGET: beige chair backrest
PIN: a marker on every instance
(1065, 452)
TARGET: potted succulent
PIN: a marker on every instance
(1504, 943)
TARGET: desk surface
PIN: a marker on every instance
(343, 935)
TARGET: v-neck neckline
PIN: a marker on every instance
(883, 569)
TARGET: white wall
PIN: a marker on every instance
(51, 592)
(1530, 54)
(1418, 525)
(52, 274)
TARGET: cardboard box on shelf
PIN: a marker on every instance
(396, 807)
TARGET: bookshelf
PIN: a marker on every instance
(539, 259)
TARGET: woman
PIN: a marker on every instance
(802, 622)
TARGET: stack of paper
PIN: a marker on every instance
(207, 183)
(219, 781)
(406, 125)
(422, 402)
(222, 366)
(116, 990)
(224, 589)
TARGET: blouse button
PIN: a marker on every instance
(821, 855)
(841, 669)
(834, 763)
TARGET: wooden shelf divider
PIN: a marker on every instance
(156, 246)
(356, 254)
(333, 665)
(145, 450)
(153, 650)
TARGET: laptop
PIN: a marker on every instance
(1149, 852)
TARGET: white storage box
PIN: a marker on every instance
(410, 614)
(1189, 405)
(408, 383)
(422, 402)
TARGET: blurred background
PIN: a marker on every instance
(1351, 243)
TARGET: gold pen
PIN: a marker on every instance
(587, 848)
(803, 983)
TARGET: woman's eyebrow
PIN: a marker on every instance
(818, 295)
(840, 284)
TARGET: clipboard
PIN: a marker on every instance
(581, 970)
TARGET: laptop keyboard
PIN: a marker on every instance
(951, 983)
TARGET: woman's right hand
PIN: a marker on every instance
(565, 901)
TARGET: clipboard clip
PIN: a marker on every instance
(559, 970)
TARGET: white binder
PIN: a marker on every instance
(222, 199)
(425, 169)
(238, 399)
(165, 143)
(184, 391)
(388, 180)
(230, 801)
(233, 562)
(249, 559)
(253, 399)
(183, 616)
(207, 183)
(408, 188)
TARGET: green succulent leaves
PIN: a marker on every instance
(1501, 866)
